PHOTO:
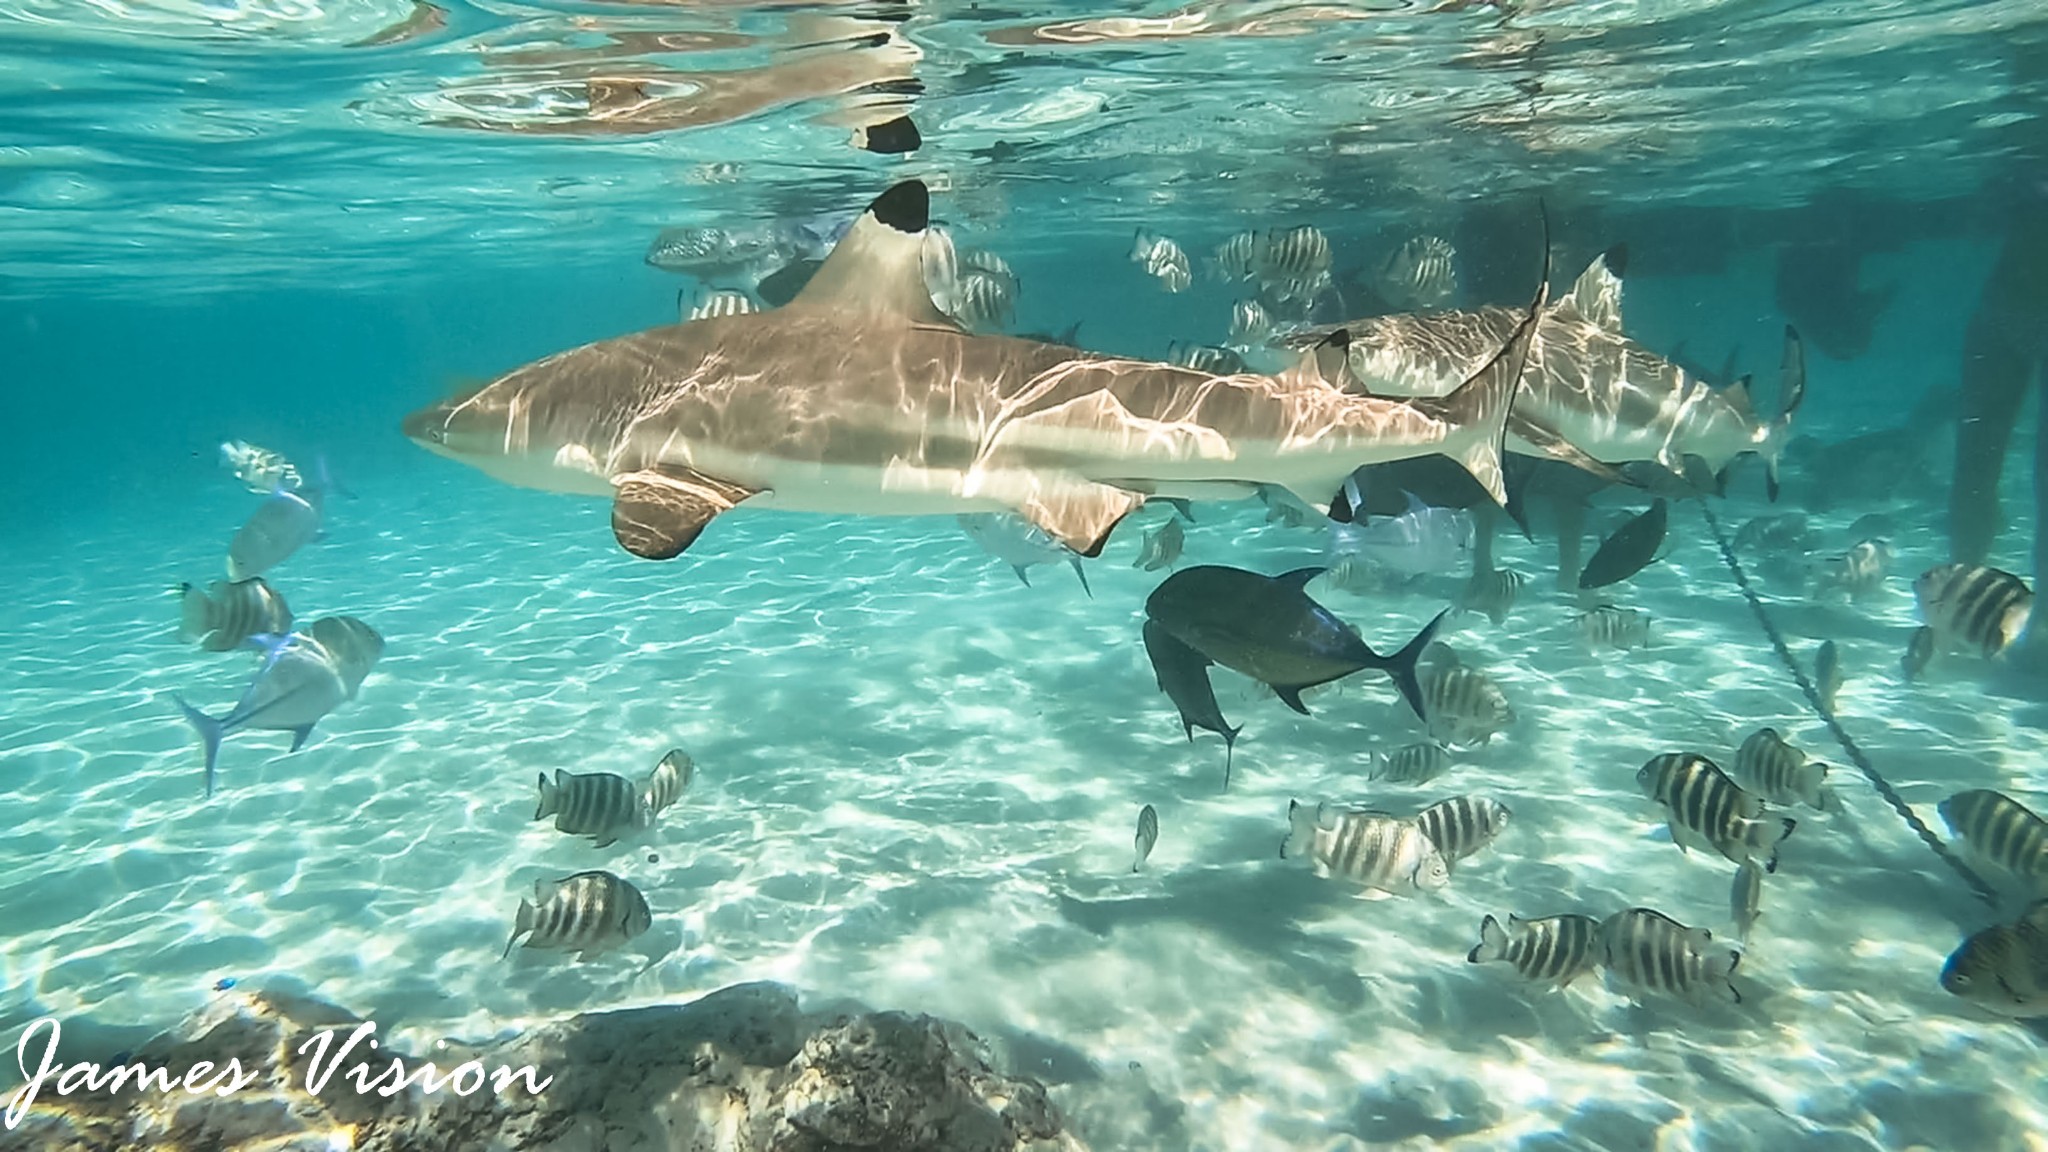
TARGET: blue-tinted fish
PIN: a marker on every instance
(1183, 675)
(1019, 543)
(303, 677)
(285, 522)
(1418, 542)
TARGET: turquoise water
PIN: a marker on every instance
(916, 777)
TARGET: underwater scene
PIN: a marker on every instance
(641, 576)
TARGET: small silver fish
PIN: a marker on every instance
(1412, 764)
(1162, 258)
(1766, 765)
(1463, 825)
(1650, 950)
(1492, 593)
(1380, 851)
(1554, 950)
(227, 615)
(1708, 811)
(1148, 835)
(589, 913)
(263, 470)
(285, 522)
(1462, 706)
(1609, 626)
(1827, 674)
(1019, 543)
(1919, 651)
(1249, 324)
(1418, 542)
(1161, 547)
(1419, 275)
(601, 805)
(1857, 573)
(666, 784)
(1999, 830)
(1983, 608)
(717, 303)
(1745, 898)
(303, 676)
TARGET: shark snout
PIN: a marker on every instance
(428, 426)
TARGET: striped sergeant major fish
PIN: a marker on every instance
(1971, 606)
(1554, 950)
(1463, 825)
(1999, 830)
(589, 913)
(225, 616)
(1649, 950)
(1778, 772)
(1709, 811)
(666, 783)
(1381, 851)
(601, 805)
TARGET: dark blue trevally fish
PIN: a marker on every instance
(303, 676)
(1183, 675)
(1268, 628)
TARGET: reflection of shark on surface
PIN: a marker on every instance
(858, 397)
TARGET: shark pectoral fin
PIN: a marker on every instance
(1081, 515)
(1552, 444)
(658, 512)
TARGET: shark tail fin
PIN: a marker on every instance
(1478, 409)
(1791, 394)
(210, 733)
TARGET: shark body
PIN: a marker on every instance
(860, 397)
(1600, 391)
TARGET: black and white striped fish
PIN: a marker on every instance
(1609, 626)
(1649, 950)
(983, 299)
(1745, 898)
(589, 913)
(1778, 772)
(1249, 324)
(1857, 573)
(1492, 593)
(601, 805)
(1292, 256)
(1162, 258)
(1999, 830)
(1462, 706)
(1413, 764)
(666, 784)
(228, 614)
(1234, 259)
(1377, 849)
(1205, 358)
(1420, 275)
(1148, 835)
(716, 303)
(1554, 950)
(1462, 825)
(1981, 608)
(1708, 811)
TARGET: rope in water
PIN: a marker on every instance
(1827, 716)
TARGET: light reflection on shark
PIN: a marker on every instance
(860, 397)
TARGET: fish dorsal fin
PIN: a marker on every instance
(1737, 396)
(878, 267)
(1328, 361)
(1596, 296)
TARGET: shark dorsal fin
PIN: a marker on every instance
(1596, 295)
(1329, 361)
(878, 267)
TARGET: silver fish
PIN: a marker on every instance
(1420, 541)
(1745, 898)
(589, 913)
(285, 522)
(1412, 764)
(1249, 324)
(1463, 825)
(2004, 968)
(1609, 626)
(717, 302)
(601, 805)
(1919, 651)
(1419, 275)
(1162, 258)
(1554, 950)
(1999, 830)
(1161, 547)
(1650, 950)
(1019, 543)
(665, 785)
(303, 677)
(1708, 811)
(1827, 674)
(1857, 573)
(1492, 593)
(227, 615)
(263, 470)
(1983, 608)
(1462, 706)
(1148, 835)
(1766, 765)
(1383, 852)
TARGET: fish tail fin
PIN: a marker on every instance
(1478, 409)
(1791, 394)
(1765, 835)
(1812, 784)
(521, 923)
(210, 733)
(1076, 562)
(1229, 750)
(1301, 831)
(195, 613)
(549, 800)
(1401, 665)
(1493, 943)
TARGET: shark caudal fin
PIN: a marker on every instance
(1478, 410)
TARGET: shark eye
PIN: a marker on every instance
(438, 435)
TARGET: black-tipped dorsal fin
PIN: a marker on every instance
(1596, 295)
(1328, 361)
(878, 267)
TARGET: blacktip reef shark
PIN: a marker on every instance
(1587, 383)
(860, 397)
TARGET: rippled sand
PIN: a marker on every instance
(917, 785)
